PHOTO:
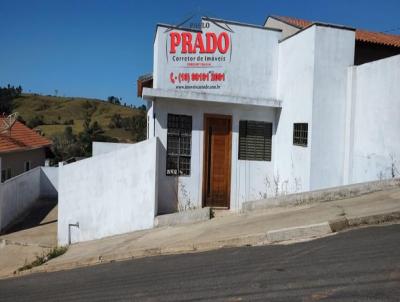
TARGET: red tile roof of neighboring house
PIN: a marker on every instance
(361, 35)
(20, 138)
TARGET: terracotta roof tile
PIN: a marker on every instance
(361, 35)
(20, 138)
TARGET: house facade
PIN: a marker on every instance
(239, 112)
(245, 112)
(21, 149)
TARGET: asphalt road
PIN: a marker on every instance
(358, 265)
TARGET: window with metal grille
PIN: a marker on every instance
(255, 140)
(179, 139)
(300, 134)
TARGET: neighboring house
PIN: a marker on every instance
(369, 46)
(245, 112)
(21, 149)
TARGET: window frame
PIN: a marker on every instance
(183, 135)
(267, 144)
(299, 139)
(30, 165)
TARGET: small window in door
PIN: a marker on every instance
(27, 165)
(8, 173)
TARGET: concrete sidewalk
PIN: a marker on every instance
(230, 230)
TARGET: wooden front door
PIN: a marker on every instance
(217, 160)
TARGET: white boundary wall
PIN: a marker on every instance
(102, 148)
(374, 121)
(19, 193)
(111, 193)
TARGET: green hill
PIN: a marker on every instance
(53, 114)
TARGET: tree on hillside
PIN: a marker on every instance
(139, 126)
(142, 107)
(114, 100)
(7, 94)
(92, 132)
(65, 145)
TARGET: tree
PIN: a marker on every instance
(142, 107)
(36, 121)
(91, 132)
(114, 100)
(65, 145)
(7, 95)
(139, 127)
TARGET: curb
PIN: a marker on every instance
(251, 240)
(299, 232)
(328, 227)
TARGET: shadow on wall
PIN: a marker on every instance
(19, 194)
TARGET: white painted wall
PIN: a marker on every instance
(375, 95)
(287, 29)
(296, 90)
(248, 178)
(49, 182)
(334, 52)
(21, 192)
(109, 194)
(17, 195)
(99, 148)
(312, 84)
(251, 72)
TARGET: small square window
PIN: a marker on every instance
(300, 134)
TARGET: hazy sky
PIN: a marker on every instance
(99, 48)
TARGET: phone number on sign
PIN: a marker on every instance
(187, 77)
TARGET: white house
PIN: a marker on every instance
(240, 112)
(245, 112)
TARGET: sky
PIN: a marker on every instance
(99, 48)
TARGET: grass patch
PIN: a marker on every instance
(53, 253)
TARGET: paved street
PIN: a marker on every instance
(358, 265)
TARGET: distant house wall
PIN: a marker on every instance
(16, 160)
(108, 194)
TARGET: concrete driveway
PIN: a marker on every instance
(32, 236)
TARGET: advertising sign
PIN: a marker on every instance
(197, 59)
